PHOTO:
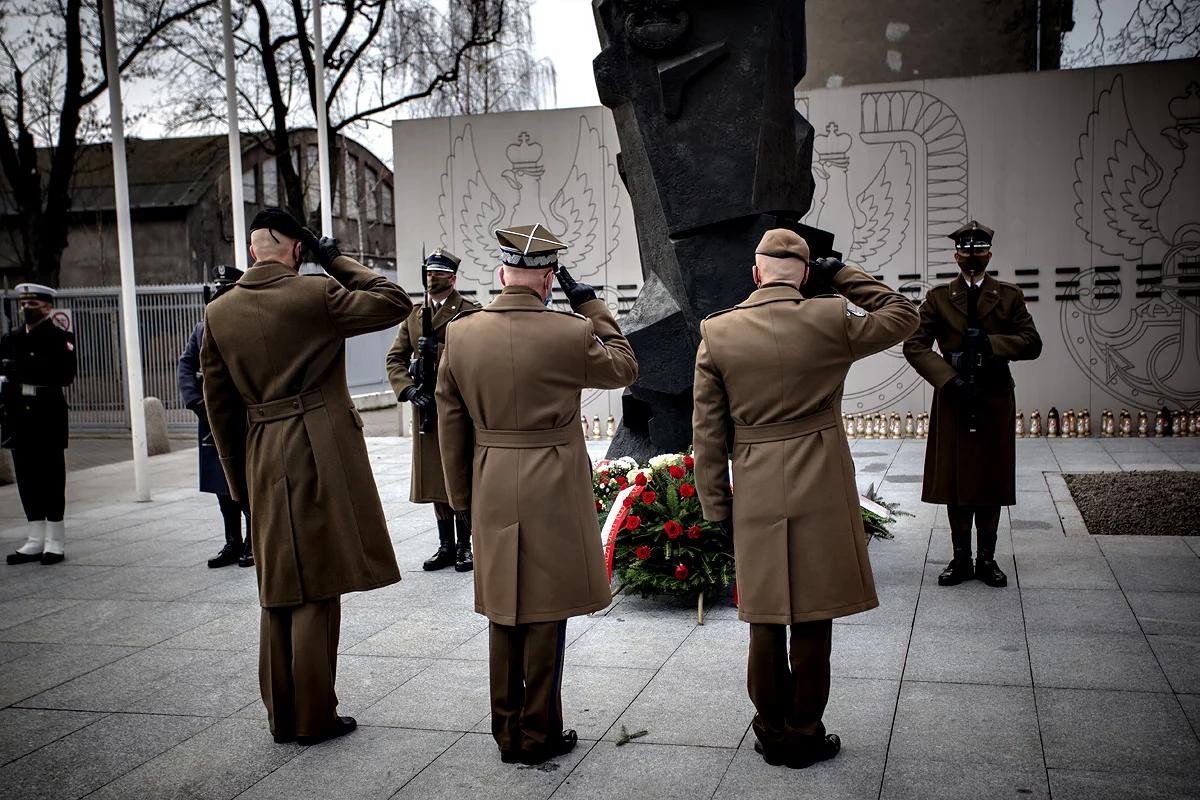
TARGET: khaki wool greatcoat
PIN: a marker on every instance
(428, 483)
(508, 399)
(962, 468)
(768, 394)
(289, 437)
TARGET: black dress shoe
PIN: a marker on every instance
(988, 571)
(956, 572)
(463, 561)
(23, 558)
(510, 756)
(822, 749)
(247, 557)
(51, 558)
(341, 727)
(283, 738)
(775, 756)
(227, 556)
(551, 748)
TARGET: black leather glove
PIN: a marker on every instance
(978, 341)
(957, 359)
(419, 398)
(727, 526)
(954, 386)
(577, 293)
(820, 276)
(326, 250)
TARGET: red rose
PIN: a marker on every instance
(642, 552)
(681, 573)
(604, 474)
(648, 497)
(677, 472)
(689, 462)
(687, 490)
(640, 479)
(599, 506)
(672, 529)
(621, 481)
(632, 522)
(694, 532)
(628, 501)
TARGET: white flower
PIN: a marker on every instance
(665, 460)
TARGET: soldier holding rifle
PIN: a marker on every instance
(412, 365)
(979, 324)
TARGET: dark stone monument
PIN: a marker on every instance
(713, 154)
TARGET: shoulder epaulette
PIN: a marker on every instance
(719, 313)
(568, 313)
(462, 312)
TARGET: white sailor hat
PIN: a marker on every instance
(36, 291)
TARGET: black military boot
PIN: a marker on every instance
(231, 515)
(958, 570)
(247, 557)
(986, 568)
(463, 560)
(445, 555)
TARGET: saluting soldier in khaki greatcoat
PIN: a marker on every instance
(768, 394)
(428, 485)
(979, 324)
(508, 399)
(291, 444)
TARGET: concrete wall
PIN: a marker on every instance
(1088, 177)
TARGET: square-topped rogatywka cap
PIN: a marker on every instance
(529, 246)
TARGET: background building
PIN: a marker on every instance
(179, 201)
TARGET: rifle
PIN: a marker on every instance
(423, 369)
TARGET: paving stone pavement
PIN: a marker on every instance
(129, 671)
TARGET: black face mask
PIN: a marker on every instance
(438, 283)
(974, 265)
(32, 316)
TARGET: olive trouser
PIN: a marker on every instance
(297, 665)
(789, 689)
(526, 678)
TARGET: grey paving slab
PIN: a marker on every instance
(869, 651)
(10, 651)
(472, 768)
(235, 630)
(216, 686)
(90, 758)
(23, 609)
(1193, 542)
(119, 685)
(968, 655)
(1156, 574)
(1069, 784)
(1191, 709)
(1167, 612)
(434, 637)
(968, 605)
(855, 773)
(137, 583)
(49, 665)
(904, 567)
(939, 780)
(1179, 657)
(446, 695)
(1166, 546)
(708, 708)
(1054, 571)
(217, 763)
(664, 772)
(1094, 730)
(1074, 660)
(1081, 610)
(369, 763)
(1054, 544)
(635, 642)
(966, 724)
(133, 623)
(23, 730)
(594, 698)
(897, 605)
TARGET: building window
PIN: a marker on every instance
(352, 190)
(385, 202)
(270, 183)
(312, 180)
(371, 192)
(249, 188)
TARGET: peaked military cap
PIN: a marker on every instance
(36, 291)
(529, 246)
(276, 219)
(973, 235)
(783, 243)
(442, 260)
(223, 273)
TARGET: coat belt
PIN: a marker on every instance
(525, 440)
(285, 408)
(781, 431)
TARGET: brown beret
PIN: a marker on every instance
(783, 243)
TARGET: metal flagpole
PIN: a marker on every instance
(129, 323)
(235, 142)
(322, 123)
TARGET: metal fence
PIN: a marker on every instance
(166, 317)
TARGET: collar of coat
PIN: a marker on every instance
(988, 298)
(443, 314)
(516, 298)
(264, 272)
(771, 293)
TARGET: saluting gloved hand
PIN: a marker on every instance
(820, 276)
(326, 250)
(577, 293)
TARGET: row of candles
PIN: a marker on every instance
(1070, 424)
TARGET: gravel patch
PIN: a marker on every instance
(1137, 503)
